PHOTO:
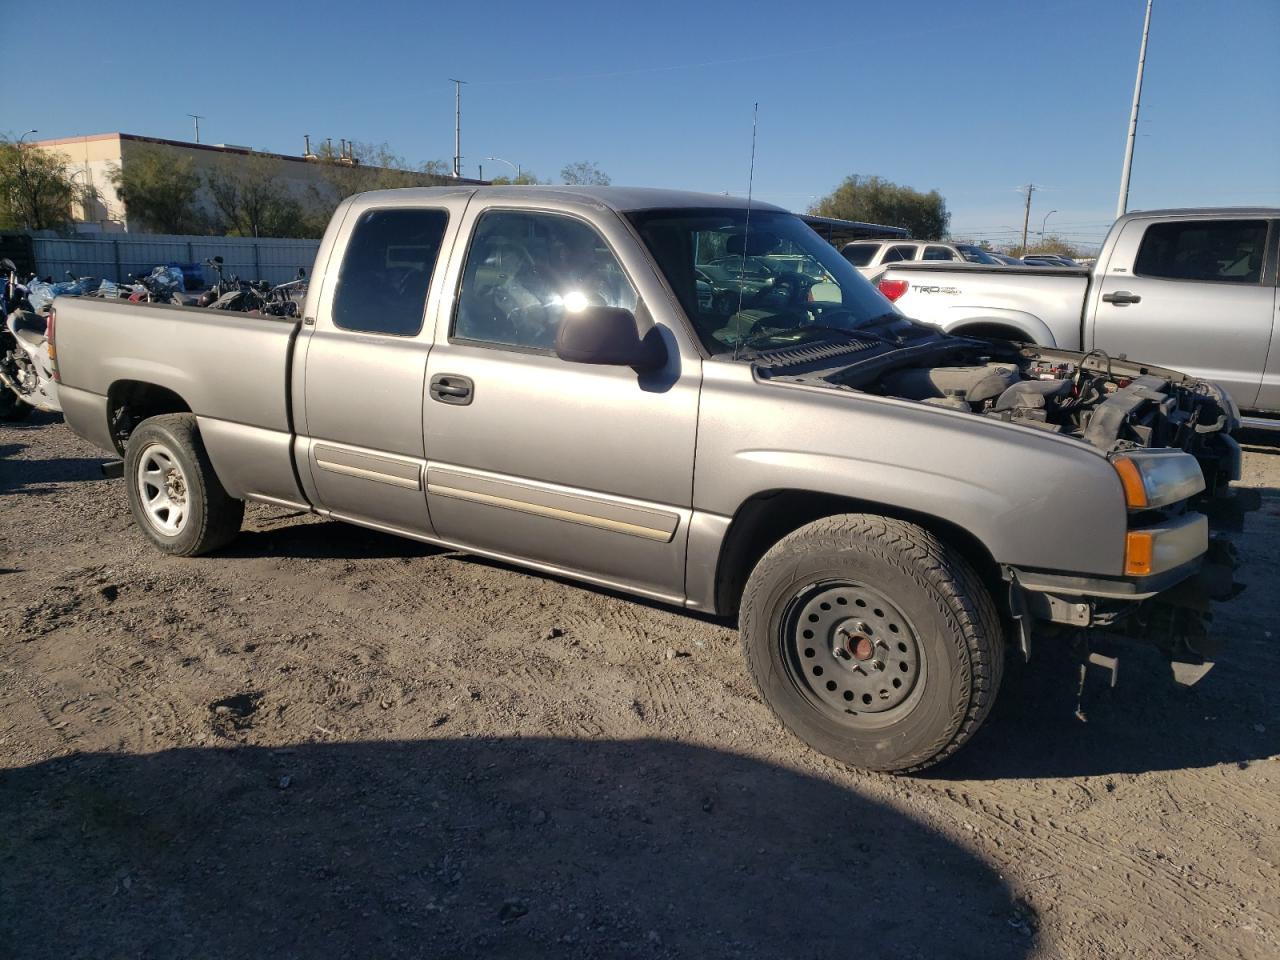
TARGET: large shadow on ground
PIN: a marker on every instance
(507, 848)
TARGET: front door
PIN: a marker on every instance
(1191, 295)
(578, 468)
(360, 443)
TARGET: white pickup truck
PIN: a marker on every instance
(1190, 289)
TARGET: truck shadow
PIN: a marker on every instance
(1146, 723)
(36, 476)
(507, 848)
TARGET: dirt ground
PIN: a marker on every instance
(328, 742)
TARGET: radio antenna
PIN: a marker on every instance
(746, 230)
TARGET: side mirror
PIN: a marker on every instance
(218, 260)
(607, 336)
(302, 273)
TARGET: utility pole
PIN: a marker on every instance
(1122, 204)
(197, 118)
(457, 126)
(1026, 217)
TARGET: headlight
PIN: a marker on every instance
(1157, 478)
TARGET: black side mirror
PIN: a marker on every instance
(608, 336)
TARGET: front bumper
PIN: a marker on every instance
(1168, 607)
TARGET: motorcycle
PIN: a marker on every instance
(162, 285)
(286, 299)
(26, 369)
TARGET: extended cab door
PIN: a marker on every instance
(1194, 294)
(360, 437)
(575, 467)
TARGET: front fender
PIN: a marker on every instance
(1031, 498)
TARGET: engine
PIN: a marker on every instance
(1112, 404)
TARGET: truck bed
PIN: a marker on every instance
(226, 366)
(1044, 303)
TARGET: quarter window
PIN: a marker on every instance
(386, 270)
(938, 253)
(524, 270)
(1221, 251)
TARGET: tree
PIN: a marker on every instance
(876, 200)
(160, 190)
(35, 191)
(1051, 244)
(584, 172)
(253, 202)
(368, 166)
(524, 178)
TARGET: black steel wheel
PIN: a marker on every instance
(873, 641)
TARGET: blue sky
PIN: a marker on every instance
(973, 98)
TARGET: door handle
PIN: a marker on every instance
(1121, 297)
(452, 388)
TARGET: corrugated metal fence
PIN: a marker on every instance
(115, 256)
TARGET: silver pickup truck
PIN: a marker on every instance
(1190, 289)
(535, 374)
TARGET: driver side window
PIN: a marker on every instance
(525, 269)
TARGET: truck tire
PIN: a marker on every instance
(872, 641)
(174, 494)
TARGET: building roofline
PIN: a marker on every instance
(215, 148)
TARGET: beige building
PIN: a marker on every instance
(90, 160)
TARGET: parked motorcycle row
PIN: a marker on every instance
(26, 367)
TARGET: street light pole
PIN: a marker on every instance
(25, 135)
(1122, 204)
(1044, 221)
(514, 166)
(197, 118)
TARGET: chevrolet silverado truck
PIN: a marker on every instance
(531, 374)
(1190, 289)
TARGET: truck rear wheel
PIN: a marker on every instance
(872, 641)
(176, 498)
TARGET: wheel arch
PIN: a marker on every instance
(129, 402)
(766, 517)
(1027, 326)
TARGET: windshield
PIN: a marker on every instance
(774, 286)
(975, 254)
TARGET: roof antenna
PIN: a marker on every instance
(746, 230)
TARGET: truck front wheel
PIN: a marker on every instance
(174, 495)
(872, 641)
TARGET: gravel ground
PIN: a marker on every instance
(328, 742)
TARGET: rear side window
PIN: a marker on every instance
(860, 254)
(386, 270)
(894, 254)
(937, 253)
(1220, 251)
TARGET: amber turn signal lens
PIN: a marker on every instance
(1135, 490)
(1139, 546)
